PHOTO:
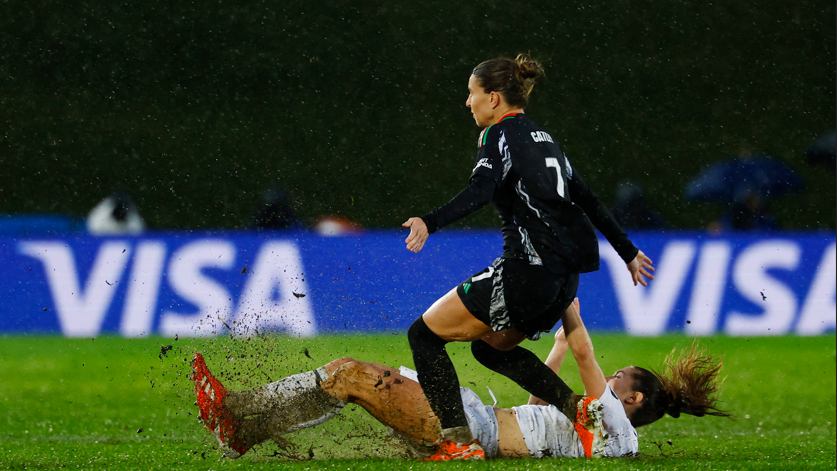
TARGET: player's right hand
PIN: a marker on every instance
(418, 234)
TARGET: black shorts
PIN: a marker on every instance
(513, 294)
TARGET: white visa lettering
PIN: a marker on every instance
(645, 311)
(80, 310)
(708, 290)
(212, 298)
(819, 313)
(752, 281)
(276, 295)
(143, 289)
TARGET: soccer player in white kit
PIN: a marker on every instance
(604, 425)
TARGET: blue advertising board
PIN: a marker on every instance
(211, 283)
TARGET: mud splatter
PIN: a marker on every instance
(164, 351)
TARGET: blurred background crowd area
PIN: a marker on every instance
(249, 114)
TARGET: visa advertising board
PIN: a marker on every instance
(302, 284)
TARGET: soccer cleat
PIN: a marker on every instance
(211, 395)
(449, 450)
(588, 426)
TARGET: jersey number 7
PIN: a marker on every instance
(553, 162)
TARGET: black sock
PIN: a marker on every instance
(436, 374)
(527, 370)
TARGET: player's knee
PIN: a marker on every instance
(335, 364)
(341, 380)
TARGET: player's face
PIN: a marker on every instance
(622, 382)
(480, 103)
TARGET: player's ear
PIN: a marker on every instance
(495, 99)
(636, 397)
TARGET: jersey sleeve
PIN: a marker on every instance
(476, 195)
(599, 215)
(493, 159)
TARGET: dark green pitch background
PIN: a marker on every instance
(194, 108)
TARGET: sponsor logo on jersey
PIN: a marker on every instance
(483, 163)
(541, 136)
(466, 287)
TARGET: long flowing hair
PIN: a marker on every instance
(688, 384)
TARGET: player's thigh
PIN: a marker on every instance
(393, 399)
(450, 319)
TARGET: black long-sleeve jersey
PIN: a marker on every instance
(546, 207)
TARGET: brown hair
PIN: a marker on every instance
(514, 79)
(688, 385)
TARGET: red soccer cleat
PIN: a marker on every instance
(216, 418)
(449, 450)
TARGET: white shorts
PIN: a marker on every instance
(548, 432)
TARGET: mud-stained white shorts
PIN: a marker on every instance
(548, 432)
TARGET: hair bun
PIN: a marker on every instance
(529, 68)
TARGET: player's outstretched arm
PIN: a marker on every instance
(581, 346)
(641, 266)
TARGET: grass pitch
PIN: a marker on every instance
(113, 403)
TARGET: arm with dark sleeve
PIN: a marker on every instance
(476, 195)
(601, 217)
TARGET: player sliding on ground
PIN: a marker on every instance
(605, 426)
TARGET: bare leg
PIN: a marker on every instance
(396, 401)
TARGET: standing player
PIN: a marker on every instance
(546, 209)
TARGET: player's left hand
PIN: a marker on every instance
(418, 234)
(641, 266)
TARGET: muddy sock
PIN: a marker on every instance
(309, 409)
(262, 399)
(461, 434)
(252, 431)
(437, 376)
(286, 405)
(527, 370)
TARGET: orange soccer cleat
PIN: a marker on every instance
(211, 395)
(449, 450)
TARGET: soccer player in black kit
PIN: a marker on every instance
(548, 214)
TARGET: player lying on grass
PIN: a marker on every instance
(630, 398)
